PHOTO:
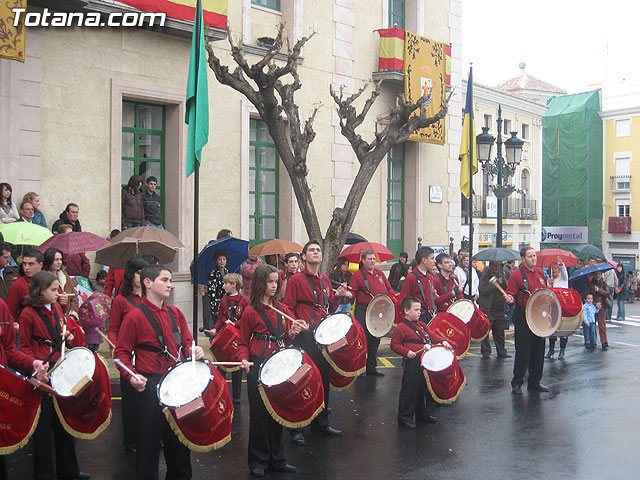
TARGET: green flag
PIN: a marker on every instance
(197, 114)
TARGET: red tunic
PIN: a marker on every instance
(31, 325)
(410, 288)
(286, 274)
(252, 323)
(377, 283)
(227, 304)
(445, 299)
(119, 308)
(300, 298)
(115, 277)
(17, 292)
(9, 353)
(402, 333)
(515, 286)
(136, 330)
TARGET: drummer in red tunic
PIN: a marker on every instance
(410, 338)
(447, 288)
(263, 331)
(369, 282)
(41, 325)
(418, 283)
(159, 337)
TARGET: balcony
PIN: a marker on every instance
(512, 208)
(620, 183)
(619, 224)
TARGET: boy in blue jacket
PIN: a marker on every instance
(589, 321)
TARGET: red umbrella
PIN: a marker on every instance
(74, 242)
(353, 253)
(550, 255)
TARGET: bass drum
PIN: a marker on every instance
(554, 311)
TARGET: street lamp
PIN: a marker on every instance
(498, 167)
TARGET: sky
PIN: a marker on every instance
(574, 45)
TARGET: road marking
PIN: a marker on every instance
(386, 363)
(626, 344)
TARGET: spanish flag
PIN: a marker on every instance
(215, 11)
(391, 49)
(468, 143)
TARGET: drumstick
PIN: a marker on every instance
(291, 319)
(118, 362)
(230, 364)
(106, 338)
(193, 357)
(55, 366)
(64, 343)
(204, 330)
(494, 281)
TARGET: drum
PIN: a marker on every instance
(291, 387)
(224, 346)
(340, 382)
(469, 312)
(444, 376)
(19, 410)
(83, 393)
(343, 344)
(380, 315)
(554, 311)
(453, 330)
(197, 405)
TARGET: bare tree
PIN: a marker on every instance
(262, 84)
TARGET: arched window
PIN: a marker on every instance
(525, 182)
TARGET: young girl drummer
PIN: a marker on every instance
(262, 331)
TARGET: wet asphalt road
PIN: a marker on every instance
(587, 427)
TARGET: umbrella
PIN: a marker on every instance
(354, 238)
(353, 253)
(24, 233)
(274, 247)
(497, 255)
(237, 252)
(119, 251)
(549, 255)
(627, 268)
(590, 251)
(74, 242)
(150, 234)
(590, 270)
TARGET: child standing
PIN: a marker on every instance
(589, 321)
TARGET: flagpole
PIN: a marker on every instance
(472, 139)
(197, 24)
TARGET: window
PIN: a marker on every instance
(263, 184)
(524, 132)
(623, 173)
(395, 200)
(623, 208)
(507, 128)
(623, 128)
(488, 121)
(396, 13)
(525, 181)
(272, 4)
(143, 143)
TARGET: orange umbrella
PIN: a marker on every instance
(353, 253)
(274, 247)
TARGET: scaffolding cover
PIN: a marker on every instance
(572, 164)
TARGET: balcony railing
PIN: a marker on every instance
(513, 208)
(619, 224)
(620, 183)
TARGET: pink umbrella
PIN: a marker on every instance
(74, 242)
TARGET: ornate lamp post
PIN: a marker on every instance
(498, 167)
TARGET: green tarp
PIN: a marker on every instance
(572, 164)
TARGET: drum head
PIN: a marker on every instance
(437, 359)
(280, 366)
(463, 309)
(78, 363)
(381, 313)
(544, 312)
(333, 328)
(182, 383)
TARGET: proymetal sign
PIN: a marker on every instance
(565, 235)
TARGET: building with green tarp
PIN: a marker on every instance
(572, 191)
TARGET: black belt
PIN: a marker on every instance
(268, 338)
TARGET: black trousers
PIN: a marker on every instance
(414, 392)
(306, 341)
(236, 382)
(499, 323)
(563, 342)
(529, 351)
(3, 469)
(129, 412)
(50, 434)
(266, 446)
(152, 427)
(372, 342)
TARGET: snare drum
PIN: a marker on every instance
(453, 330)
(291, 387)
(476, 319)
(224, 346)
(343, 343)
(444, 376)
(83, 393)
(197, 405)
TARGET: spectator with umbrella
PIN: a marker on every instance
(632, 285)
(611, 280)
(598, 288)
(215, 285)
(621, 290)
(558, 278)
(77, 263)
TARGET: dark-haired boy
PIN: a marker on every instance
(418, 283)
(31, 264)
(152, 205)
(447, 288)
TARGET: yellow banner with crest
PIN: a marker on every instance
(12, 38)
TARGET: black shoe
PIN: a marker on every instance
(561, 354)
(605, 346)
(549, 353)
(486, 355)
(298, 438)
(83, 476)
(506, 355)
(330, 431)
(538, 388)
(257, 472)
(237, 401)
(516, 389)
(374, 373)
(406, 424)
(427, 419)
(286, 468)
(130, 449)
